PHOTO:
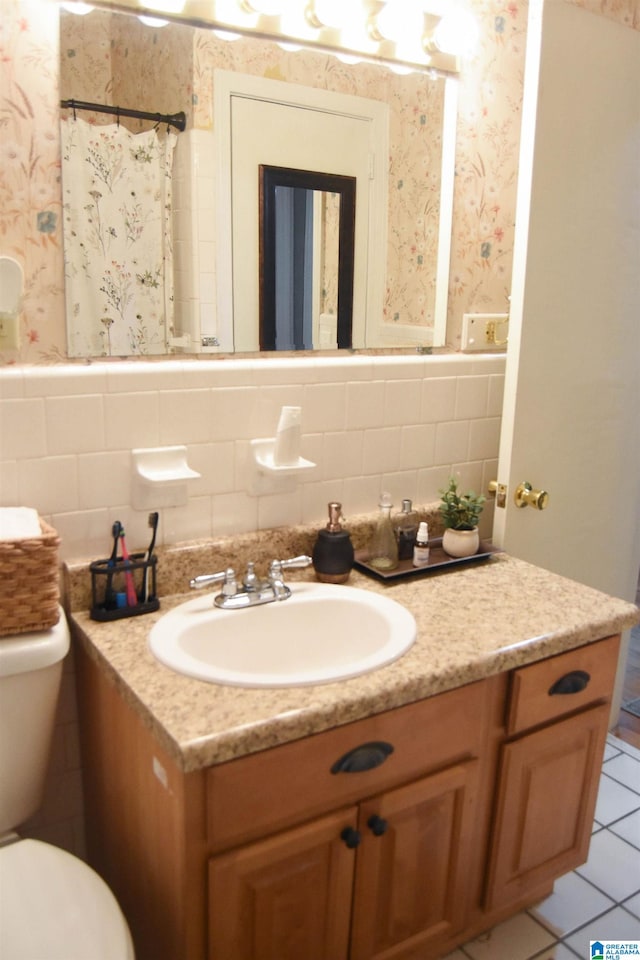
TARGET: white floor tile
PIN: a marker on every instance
(628, 748)
(518, 938)
(612, 867)
(572, 904)
(615, 925)
(624, 769)
(633, 905)
(556, 952)
(610, 750)
(614, 800)
(628, 829)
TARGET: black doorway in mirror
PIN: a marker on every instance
(291, 314)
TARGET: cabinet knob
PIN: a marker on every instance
(377, 825)
(365, 757)
(350, 837)
(574, 682)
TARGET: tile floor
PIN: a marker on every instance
(598, 901)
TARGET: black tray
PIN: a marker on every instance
(438, 562)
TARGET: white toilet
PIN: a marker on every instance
(52, 905)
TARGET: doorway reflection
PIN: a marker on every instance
(307, 225)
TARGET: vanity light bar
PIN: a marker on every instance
(300, 22)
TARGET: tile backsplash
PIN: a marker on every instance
(400, 423)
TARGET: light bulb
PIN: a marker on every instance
(268, 8)
(457, 33)
(235, 14)
(400, 20)
(330, 13)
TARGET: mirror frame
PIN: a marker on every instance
(270, 179)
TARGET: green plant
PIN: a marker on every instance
(460, 511)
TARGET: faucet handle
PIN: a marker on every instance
(206, 579)
(302, 561)
(276, 567)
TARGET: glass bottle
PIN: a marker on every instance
(405, 525)
(383, 553)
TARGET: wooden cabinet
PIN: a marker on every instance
(284, 898)
(549, 777)
(466, 807)
(411, 881)
(358, 884)
(384, 873)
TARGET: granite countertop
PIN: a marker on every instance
(473, 621)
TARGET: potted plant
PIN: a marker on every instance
(460, 513)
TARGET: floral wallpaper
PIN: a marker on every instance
(486, 162)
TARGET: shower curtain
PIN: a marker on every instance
(117, 239)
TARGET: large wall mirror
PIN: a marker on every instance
(401, 259)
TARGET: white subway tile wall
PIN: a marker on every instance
(401, 423)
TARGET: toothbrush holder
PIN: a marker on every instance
(108, 587)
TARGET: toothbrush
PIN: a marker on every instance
(153, 523)
(132, 599)
(109, 598)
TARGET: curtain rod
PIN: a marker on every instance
(178, 120)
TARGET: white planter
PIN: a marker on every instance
(461, 543)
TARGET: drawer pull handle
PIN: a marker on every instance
(377, 825)
(367, 756)
(574, 682)
(351, 837)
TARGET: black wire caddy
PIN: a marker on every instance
(123, 588)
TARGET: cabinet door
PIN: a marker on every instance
(411, 885)
(546, 799)
(284, 898)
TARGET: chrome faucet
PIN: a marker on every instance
(253, 590)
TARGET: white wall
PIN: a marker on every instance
(400, 423)
(194, 243)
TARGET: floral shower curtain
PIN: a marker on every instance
(117, 239)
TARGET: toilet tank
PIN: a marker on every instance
(30, 673)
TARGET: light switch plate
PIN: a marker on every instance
(485, 332)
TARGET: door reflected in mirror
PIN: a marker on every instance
(307, 232)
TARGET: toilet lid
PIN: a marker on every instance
(54, 907)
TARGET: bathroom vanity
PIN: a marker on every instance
(392, 815)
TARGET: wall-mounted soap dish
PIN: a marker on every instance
(160, 477)
(268, 477)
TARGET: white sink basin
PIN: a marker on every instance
(322, 633)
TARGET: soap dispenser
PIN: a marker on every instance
(383, 553)
(333, 551)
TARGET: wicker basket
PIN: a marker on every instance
(29, 592)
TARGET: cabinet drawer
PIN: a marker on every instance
(559, 685)
(277, 788)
